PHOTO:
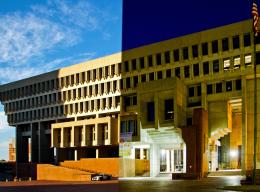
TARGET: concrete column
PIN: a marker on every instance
(44, 154)
(72, 137)
(96, 142)
(113, 102)
(75, 155)
(34, 143)
(62, 137)
(21, 146)
(156, 111)
(97, 153)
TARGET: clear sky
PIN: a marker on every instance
(37, 36)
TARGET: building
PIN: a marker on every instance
(12, 150)
(183, 105)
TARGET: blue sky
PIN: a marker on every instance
(42, 35)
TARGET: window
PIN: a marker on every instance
(167, 57)
(248, 60)
(204, 48)
(238, 84)
(195, 51)
(257, 59)
(209, 89)
(134, 64)
(126, 66)
(176, 55)
(196, 69)
(229, 86)
(159, 75)
(226, 63)
(236, 43)
(191, 91)
(225, 44)
(150, 60)
(168, 109)
(216, 66)
(206, 68)
(135, 81)
(237, 62)
(127, 101)
(247, 40)
(177, 72)
(185, 53)
(214, 45)
(199, 90)
(168, 73)
(150, 112)
(141, 60)
(143, 78)
(187, 71)
(158, 59)
(218, 87)
(128, 83)
(151, 76)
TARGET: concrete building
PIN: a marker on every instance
(184, 105)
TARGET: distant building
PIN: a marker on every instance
(12, 156)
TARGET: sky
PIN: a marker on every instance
(43, 35)
(37, 36)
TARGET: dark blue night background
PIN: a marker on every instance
(149, 21)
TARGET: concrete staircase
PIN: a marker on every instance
(220, 173)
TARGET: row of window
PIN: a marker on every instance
(129, 126)
(51, 112)
(224, 86)
(184, 53)
(168, 110)
(54, 84)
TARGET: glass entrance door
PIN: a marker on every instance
(171, 160)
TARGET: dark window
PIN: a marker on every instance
(195, 51)
(167, 57)
(196, 69)
(204, 48)
(257, 60)
(158, 59)
(191, 91)
(206, 68)
(150, 60)
(185, 53)
(225, 44)
(218, 87)
(151, 76)
(186, 71)
(127, 101)
(143, 78)
(247, 40)
(135, 81)
(199, 90)
(150, 111)
(134, 100)
(177, 72)
(257, 39)
(168, 109)
(141, 62)
(236, 43)
(209, 89)
(214, 46)
(176, 55)
(159, 75)
(126, 66)
(128, 82)
(238, 84)
(134, 64)
(168, 73)
(216, 66)
(189, 121)
(229, 86)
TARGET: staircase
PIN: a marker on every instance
(235, 172)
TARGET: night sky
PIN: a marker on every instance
(149, 21)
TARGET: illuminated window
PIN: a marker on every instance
(237, 62)
(226, 63)
(248, 60)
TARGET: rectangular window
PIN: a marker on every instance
(187, 71)
(196, 70)
(216, 66)
(199, 90)
(236, 43)
(128, 83)
(159, 75)
(195, 51)
(185, 53)
(225, 46)
(206, 68)
(167, 57)
(248, 60)
(158, 59)
(191, 91)
(150, 112)
(177, 72)
(141, 60)
(168, 73)
(176, 55)
(150, 60)
(229, 86)
(219, 88)
(238, 84)
(214, 45)
(204, 48)
(126, 66)
(247, 40)
(257, 58)
(168, 109)
(226, 63)
(237, 62)
(143, 78)
(209, 89)
(134, 64)
(151, 76)
(135, 81)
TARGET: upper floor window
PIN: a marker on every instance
(168, 109)
(187, 71)
(195, 52)
(134, 64)
(150, 60)
(236, 43)
(176, 55)
(214, 45)
(167, 57)
(185, 53)
(206, 68)
(247, 40)
(204, 48)
(216, 66)
(158, 59)
(196, 69)
(225, 46)
(141, 60)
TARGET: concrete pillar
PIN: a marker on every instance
(76, 155)
(21, 146)
(45, 153)
(34, 143)
(97, 153)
